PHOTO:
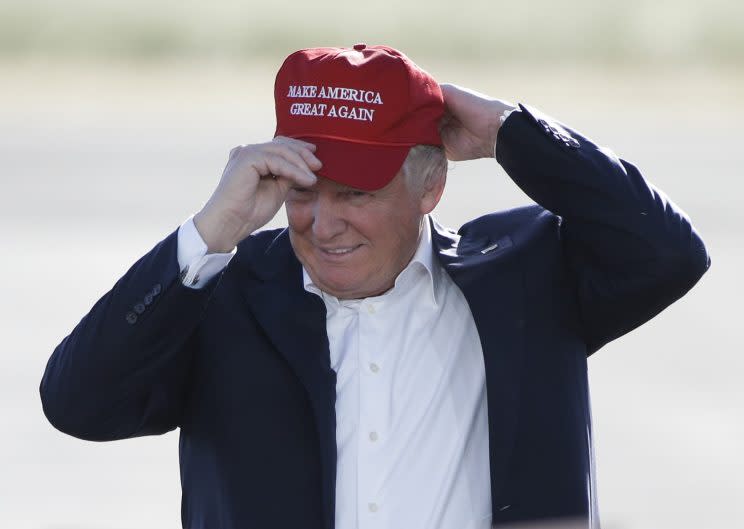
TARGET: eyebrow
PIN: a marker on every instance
(344, 187)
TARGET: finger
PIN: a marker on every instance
(458, 93)
(295, 142)
(304, 149)
(450, 93)
(457, 100)
(234, 152)
(295, 155)
(307, 155)
(311, 160)
(280, 166)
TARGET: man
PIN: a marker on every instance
(367, 367)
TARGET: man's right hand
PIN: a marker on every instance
(252, 188)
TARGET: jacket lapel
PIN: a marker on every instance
(489, 274)
(295, 322)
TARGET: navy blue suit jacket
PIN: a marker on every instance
(242, 365)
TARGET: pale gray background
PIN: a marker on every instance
(110, 140)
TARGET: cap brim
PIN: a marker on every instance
(368, 167)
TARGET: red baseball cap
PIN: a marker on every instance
(363, 107)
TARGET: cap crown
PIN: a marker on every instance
(370, 95)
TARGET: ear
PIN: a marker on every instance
(432, 192)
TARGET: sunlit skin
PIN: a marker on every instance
(353, 243)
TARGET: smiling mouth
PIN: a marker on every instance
(339, 251)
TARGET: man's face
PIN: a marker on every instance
(353, 243)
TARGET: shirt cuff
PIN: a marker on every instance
(196, 265)
(502, 120)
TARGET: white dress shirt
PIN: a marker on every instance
(411, 416)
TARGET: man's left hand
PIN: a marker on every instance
(471, 124)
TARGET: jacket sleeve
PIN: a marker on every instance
(630, 250)
(123, 370)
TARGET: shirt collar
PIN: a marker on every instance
(422, 260)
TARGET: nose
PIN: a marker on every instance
(328, 222)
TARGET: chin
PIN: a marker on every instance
(339, 288)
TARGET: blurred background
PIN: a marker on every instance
(116, 120)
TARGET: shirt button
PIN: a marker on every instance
(374, 367)
(371, 309)
(373, 436)
(372, 507)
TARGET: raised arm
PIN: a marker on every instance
(631, 251)
(124, 369)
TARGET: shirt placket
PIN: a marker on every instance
(373, 407)
(343, 336)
